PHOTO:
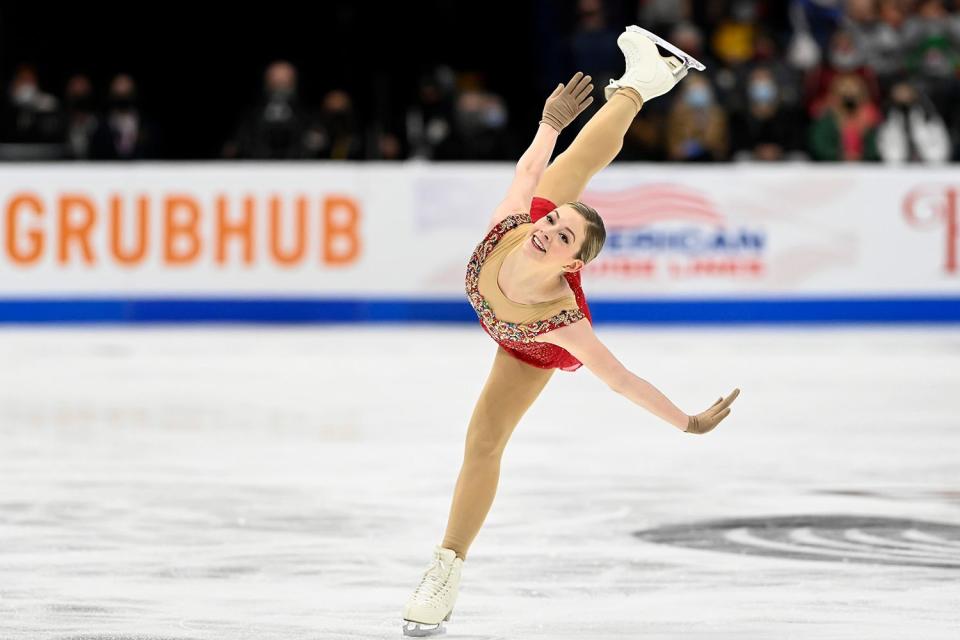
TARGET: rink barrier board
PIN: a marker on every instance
(399, 311)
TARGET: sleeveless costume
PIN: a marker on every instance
(513, 326)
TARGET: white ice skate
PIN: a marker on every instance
(647, 71)
(433, 599)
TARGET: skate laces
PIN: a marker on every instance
(432, 580)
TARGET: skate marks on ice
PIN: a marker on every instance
(826, 538)
(946, 496)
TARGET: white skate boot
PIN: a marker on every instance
(433, 599)
(647, 71)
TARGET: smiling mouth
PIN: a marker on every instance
(535, 241)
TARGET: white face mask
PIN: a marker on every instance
(494, 117)
(24, 94)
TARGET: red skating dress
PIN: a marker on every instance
(517, 337)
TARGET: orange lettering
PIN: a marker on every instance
(299, 234)
(243, 229)
(340, 231)
(17, 254)
(116, 234)
(186, 230)
(79, 230)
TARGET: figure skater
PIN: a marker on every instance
(523, 280)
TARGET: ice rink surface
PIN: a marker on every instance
(265, 483)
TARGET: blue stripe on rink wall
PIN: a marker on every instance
(406, 310)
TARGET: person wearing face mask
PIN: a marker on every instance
(80, 115)
(696, 125)
(342, 137)
(875, 28)
(844, 58)
(279, 127)
(913, 131)
(30, 116)
(429, 122)
(481, 126)
(765, 131)
(123, 133)
(931, 41)
(846, 131)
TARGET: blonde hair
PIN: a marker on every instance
(595, 234)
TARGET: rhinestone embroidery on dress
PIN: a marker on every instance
(523, 332)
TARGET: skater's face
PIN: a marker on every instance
(560, 234)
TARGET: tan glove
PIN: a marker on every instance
(566, 102)
(706, 421)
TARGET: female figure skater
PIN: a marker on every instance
(523, 280)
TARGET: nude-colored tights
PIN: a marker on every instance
(512, 385)
(597, 144)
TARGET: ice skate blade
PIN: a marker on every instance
(688, 60)
(421, 630)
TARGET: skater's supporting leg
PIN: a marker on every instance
(509, 391)
(597, 144)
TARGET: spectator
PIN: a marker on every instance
(734, 37)
(481, 120)
(766, 131)
(644, 140)
(816, 19)
(593, 45)
(340, 136)
(696, 126)
(893, 13)
(279, 127)
(844, 59)
(803, 51)
(731, 83)
(389, 146)
(123, 133)
(767, 54)
(429, 120)
(689, 37)
(80, 117)
(876, 35)
(846, 131)
(30, 115)
(661, 15)
(932, 47)
(913, 130)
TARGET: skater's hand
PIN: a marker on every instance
(706, 421)
(567, 101)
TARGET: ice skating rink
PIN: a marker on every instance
(269, 483)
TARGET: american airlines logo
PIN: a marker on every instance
(649, 203)
(936, 208)
(664, 229)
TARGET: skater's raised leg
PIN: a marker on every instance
(597, 144)
(648, 75)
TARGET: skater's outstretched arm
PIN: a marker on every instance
(563, 105)
(582, 343)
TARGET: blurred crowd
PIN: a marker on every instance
(852, 80)
(822, 80)
(35, 125)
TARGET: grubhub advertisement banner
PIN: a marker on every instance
(401, 234)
